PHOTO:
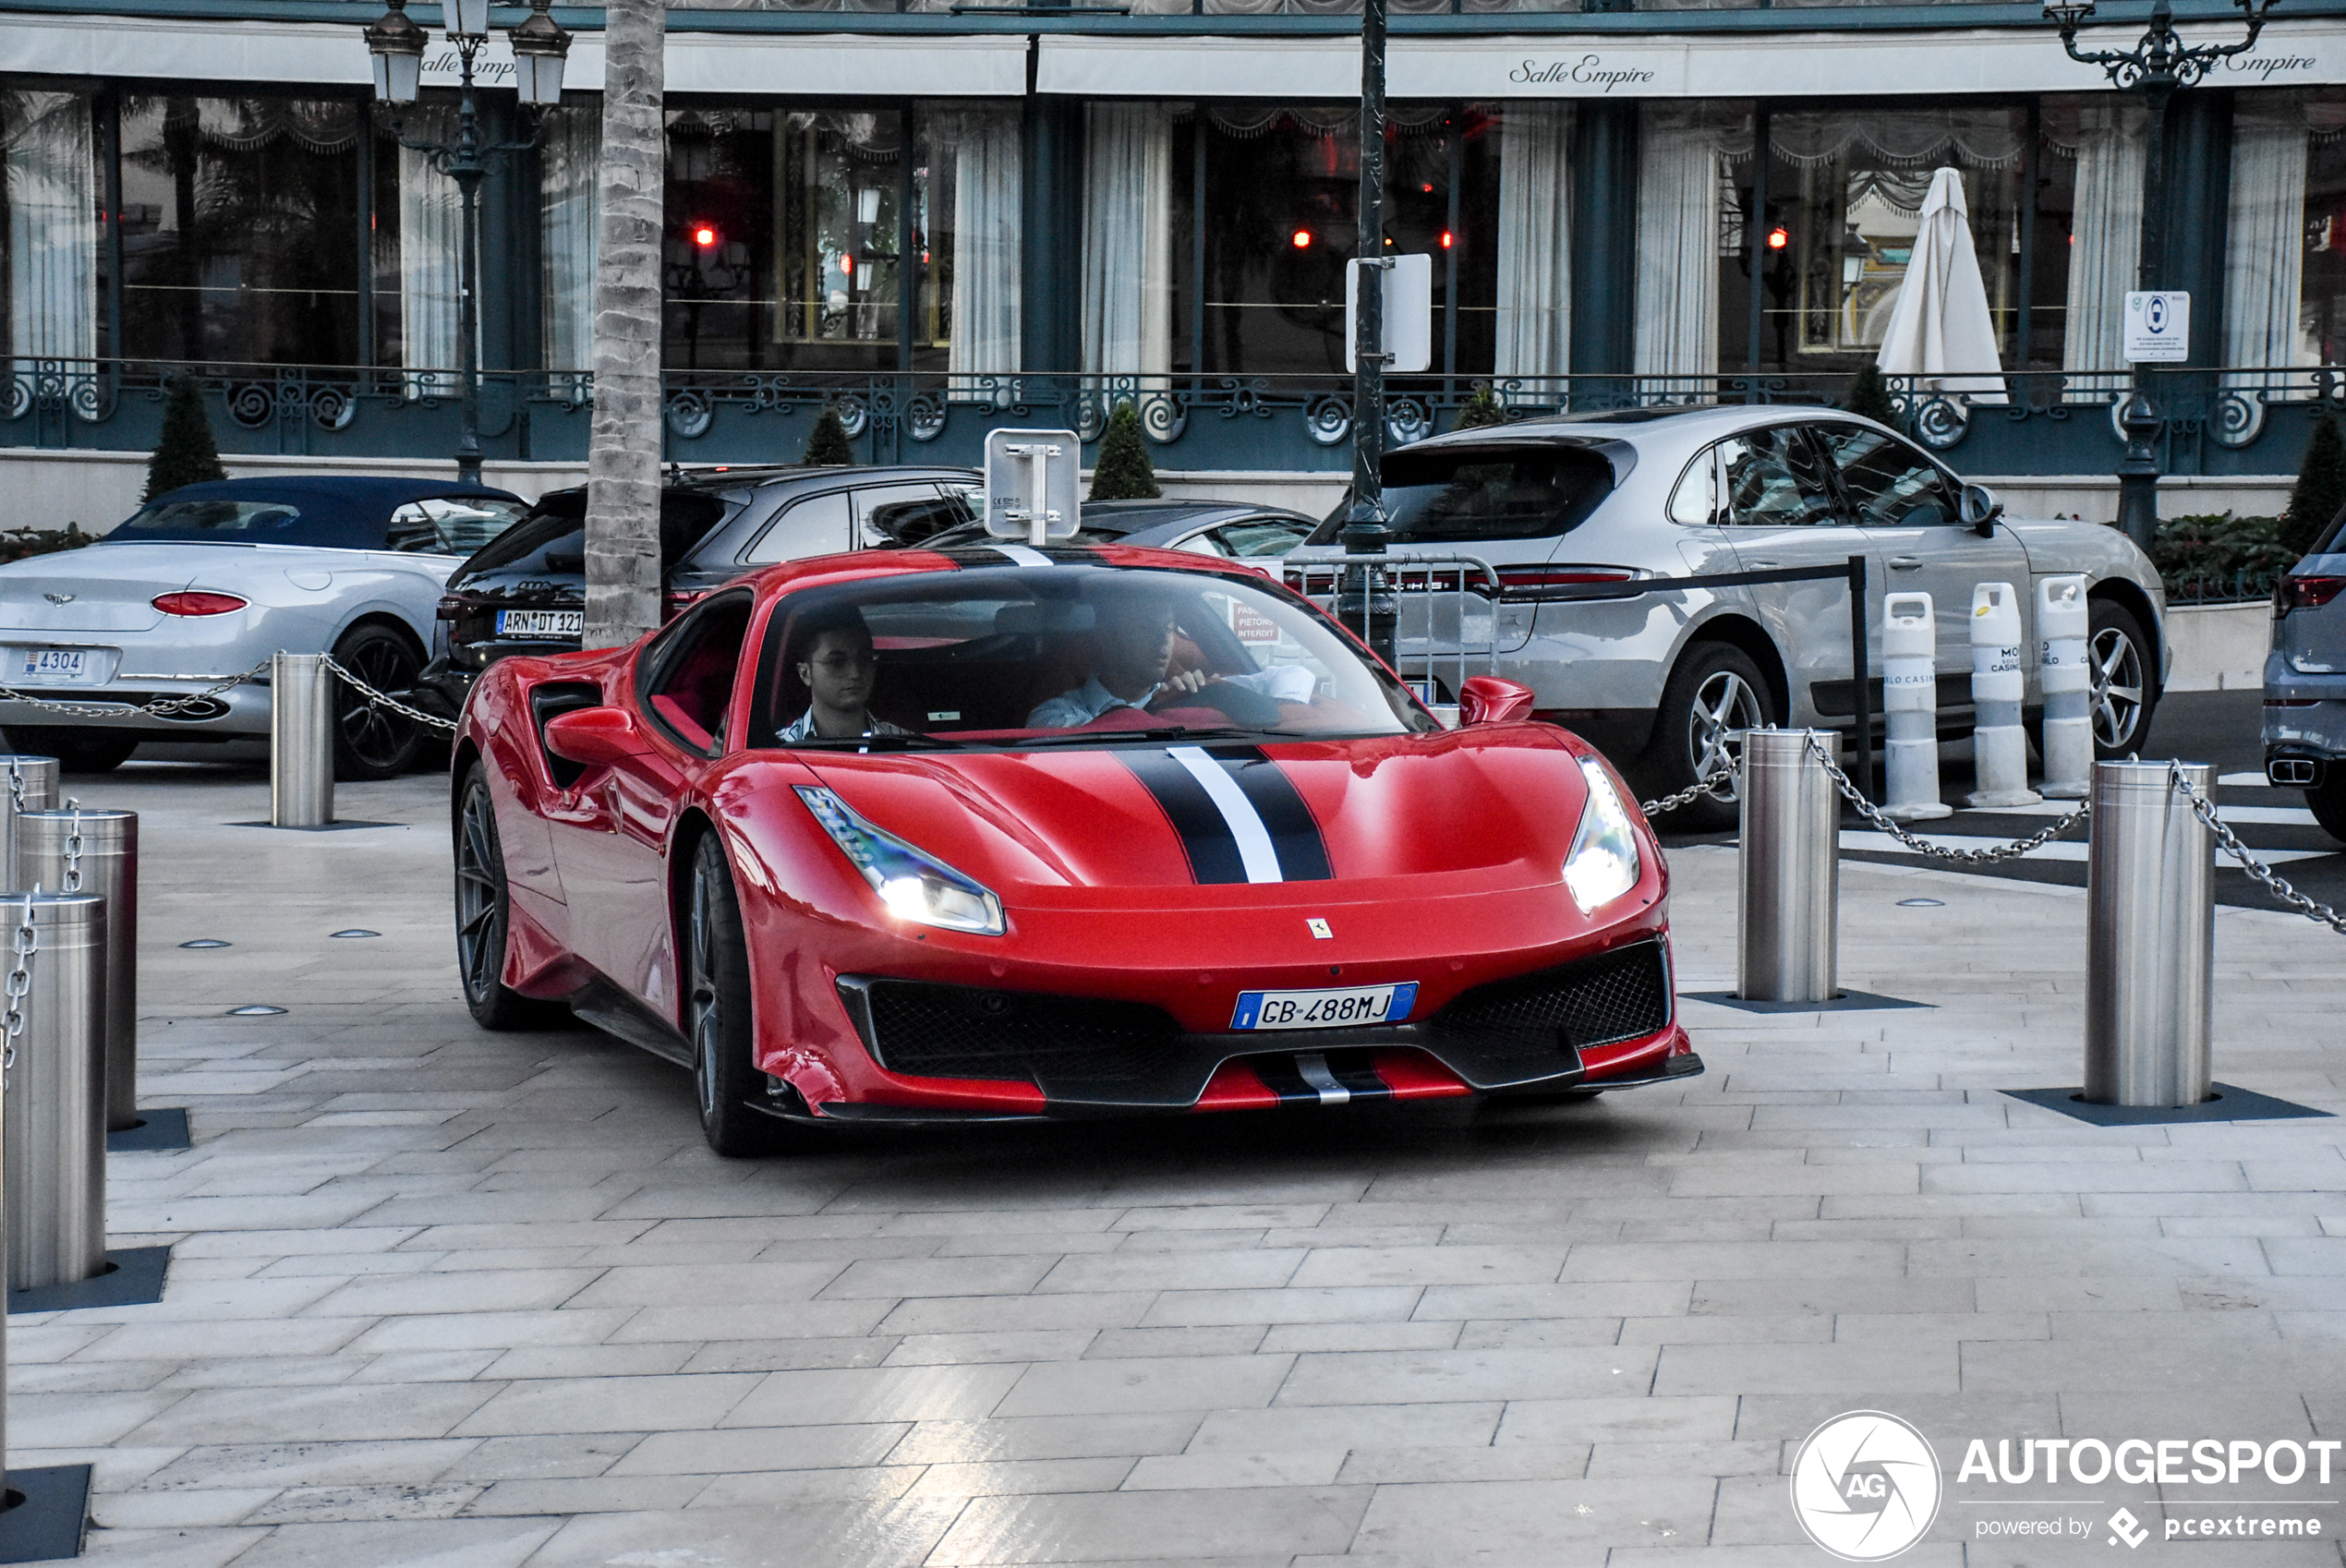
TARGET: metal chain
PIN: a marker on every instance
(161, 707)
(2258, 873)
(73, 849)
(23, 943)
(384, 699)
(1872, 813)
(16, 785)
(1700, 787)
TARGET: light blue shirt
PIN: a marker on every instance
(803, 730)
(1072, 710)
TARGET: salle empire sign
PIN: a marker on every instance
(1590, 70)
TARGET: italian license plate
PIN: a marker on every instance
(1348, 1006)
(52, 667)
(541, 622)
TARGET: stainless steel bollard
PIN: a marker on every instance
(1789, 924)
(97, 851)
(301, 741)
(27, 783)
(52, 1123)
(2150, 938)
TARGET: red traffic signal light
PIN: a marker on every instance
(1778, 238)
(705, 236)
(1301, 239)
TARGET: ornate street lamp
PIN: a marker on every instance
(540, 48)
(2156, 67)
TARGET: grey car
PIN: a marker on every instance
(1235, 530)
(1659, 680)
(2306, 680)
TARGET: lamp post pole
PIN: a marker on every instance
(1364, 532)
(540, 48)
(2159, 66)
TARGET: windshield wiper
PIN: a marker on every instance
(1103, 737)
(879, 742)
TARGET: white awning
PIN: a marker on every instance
(1737, 64)
(299, 53)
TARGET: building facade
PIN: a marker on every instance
(942, 218)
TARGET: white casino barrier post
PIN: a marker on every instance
(1998, 745)
(1910, 707)
(2064, 620)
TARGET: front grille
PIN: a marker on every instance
(1624, 994)
(932, 1030)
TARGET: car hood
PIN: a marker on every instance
(1472, 811)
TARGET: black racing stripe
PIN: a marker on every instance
(1352, 1069)
(1197, 822)
(1278, 1076)
(1295, 832)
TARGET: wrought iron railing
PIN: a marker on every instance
(2236, 420)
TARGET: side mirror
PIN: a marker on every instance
(594, 737)
(1488, 699)
(1980, 509)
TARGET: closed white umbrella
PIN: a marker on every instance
(1940, 329)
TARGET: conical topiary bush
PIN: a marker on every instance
(1869, 396)
(185, 454)
(1483, 408)
(1123, 471)
(2320, 490)
(826, 444)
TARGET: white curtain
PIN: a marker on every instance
(2105, 238)
(570, 159)
(2264, 241)
(1128, 242)
(987, 194)
(1535, 241)
(1676, 327)
(52, 226)
(431, 231)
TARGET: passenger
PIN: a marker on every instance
(1133, 669)
(831, 649)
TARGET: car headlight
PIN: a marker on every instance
(1603, 862)
(913, 885)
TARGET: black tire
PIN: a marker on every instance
(77, 751)
(718, 1019)
(2329, 803)
(484, 905)
(2124, 667)
(1716, 688)
(371, 740)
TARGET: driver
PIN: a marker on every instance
(832, 648)
(1133, 668)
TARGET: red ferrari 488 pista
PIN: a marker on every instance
(1006, 832)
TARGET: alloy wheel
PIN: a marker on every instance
(701, 999)
(374, 734)
(2117, 666)
(480, 951)
(1723, 704)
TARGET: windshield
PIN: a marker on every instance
(234, 521)
(1062, 654)
(552, 541)
(451, 525)
(1462, 494)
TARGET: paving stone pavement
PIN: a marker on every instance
(439, 1296)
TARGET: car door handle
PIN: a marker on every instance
(1904, 562)
(1766, 565)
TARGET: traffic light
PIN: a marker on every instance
(705, 236)
(1778, 238)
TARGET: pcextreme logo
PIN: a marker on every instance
(1864, 1485)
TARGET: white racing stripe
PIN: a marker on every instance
(1255, 850)
(1313, 1068)
(1025, 555)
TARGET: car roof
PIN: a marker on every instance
(1625, 434)
(748, 475)
(917, 560)
(365, 493)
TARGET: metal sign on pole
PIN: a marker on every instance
(1033, 483)
(1408, 327)
(2157, 329)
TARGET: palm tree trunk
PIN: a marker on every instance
(623, 461)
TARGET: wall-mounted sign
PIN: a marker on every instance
(2158, 327)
